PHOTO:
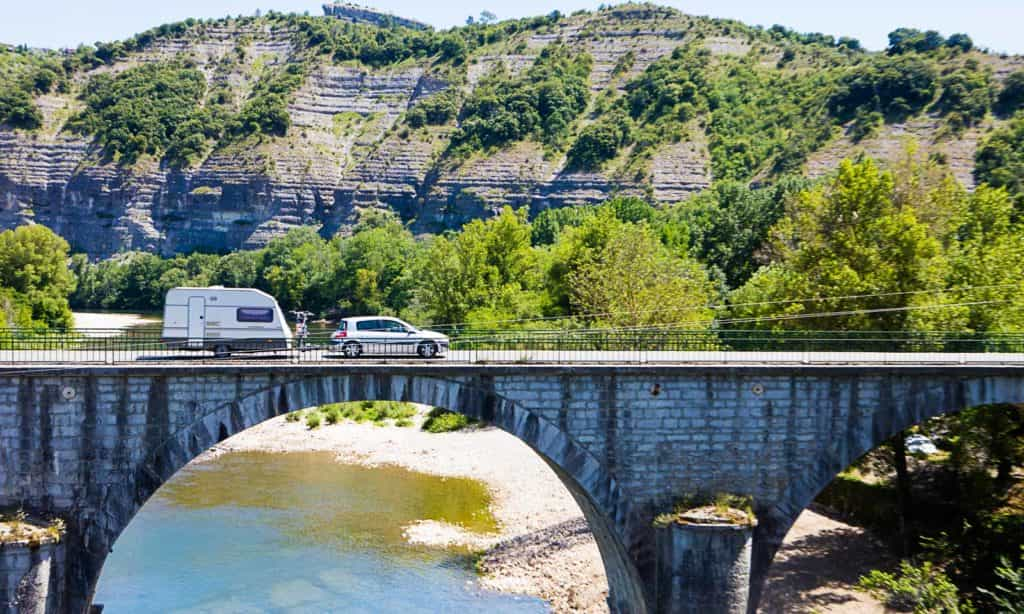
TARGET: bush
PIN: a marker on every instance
(1011, 97)
(444, 421)
(921, 589)
(600, 141)
(968, 94)
(295, 416)
(313, 420)
(435, 110)
(17, 109)
(896, 87)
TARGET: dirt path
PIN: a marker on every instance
(818, 565)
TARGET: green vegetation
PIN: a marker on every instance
(34, 278)
(149, 110)
(1000, 159)
(542, 103)
(312, 420)
(18, 527)
(920, 589)
(435, 110)
(376, 412)
(443, 421)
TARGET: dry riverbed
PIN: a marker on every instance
(543, 547)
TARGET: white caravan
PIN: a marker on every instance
(224, 320)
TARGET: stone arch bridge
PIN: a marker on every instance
(91, 444)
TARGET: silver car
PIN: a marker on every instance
(387, 337)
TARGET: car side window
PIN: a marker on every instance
(370, 325)
(394, 326)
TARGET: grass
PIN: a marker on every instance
(380, 413)
(722, 508)
(17, 527)
(443, 421)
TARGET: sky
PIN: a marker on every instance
(995, 24)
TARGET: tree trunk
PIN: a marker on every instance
(903, 500)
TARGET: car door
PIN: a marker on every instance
(399, 337)
(371, 336)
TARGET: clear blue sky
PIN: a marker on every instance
(65, 23)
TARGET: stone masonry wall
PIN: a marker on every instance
(92, 444)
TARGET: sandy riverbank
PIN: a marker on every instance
(544, 547)
(109, 321)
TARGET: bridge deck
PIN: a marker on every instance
(14, 358)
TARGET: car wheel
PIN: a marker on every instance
(221, 351)
(352, 350)
(427, 350)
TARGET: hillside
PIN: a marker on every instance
(212, 136)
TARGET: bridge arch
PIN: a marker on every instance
(593, 488)
(902, 404)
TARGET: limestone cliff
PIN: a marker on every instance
(347, 148)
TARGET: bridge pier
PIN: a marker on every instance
(703, 568)
(32, 578)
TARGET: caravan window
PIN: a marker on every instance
(254, 314)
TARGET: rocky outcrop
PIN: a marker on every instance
(360, 14)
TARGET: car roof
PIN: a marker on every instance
(362, 318)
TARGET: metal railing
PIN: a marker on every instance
(111, 346)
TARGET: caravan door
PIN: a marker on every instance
(196, 322)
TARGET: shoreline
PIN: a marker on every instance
(544, 547)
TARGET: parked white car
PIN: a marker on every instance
(387, 336)
(919, 444)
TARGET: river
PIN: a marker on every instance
(299, 532)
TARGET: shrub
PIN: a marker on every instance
(921, 589)
(442, 421)
(893, 86)
(17, 109)
(295, 416)
(600, 141)
(313, 420)
(1011, 97)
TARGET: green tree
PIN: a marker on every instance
(847, 238)
(999, 160)
(34, 273)
(485, 273)
(634, 280)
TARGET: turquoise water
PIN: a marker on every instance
(253, 532)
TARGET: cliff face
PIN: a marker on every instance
(347, 150)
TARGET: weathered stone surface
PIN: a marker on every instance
(626, 449)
